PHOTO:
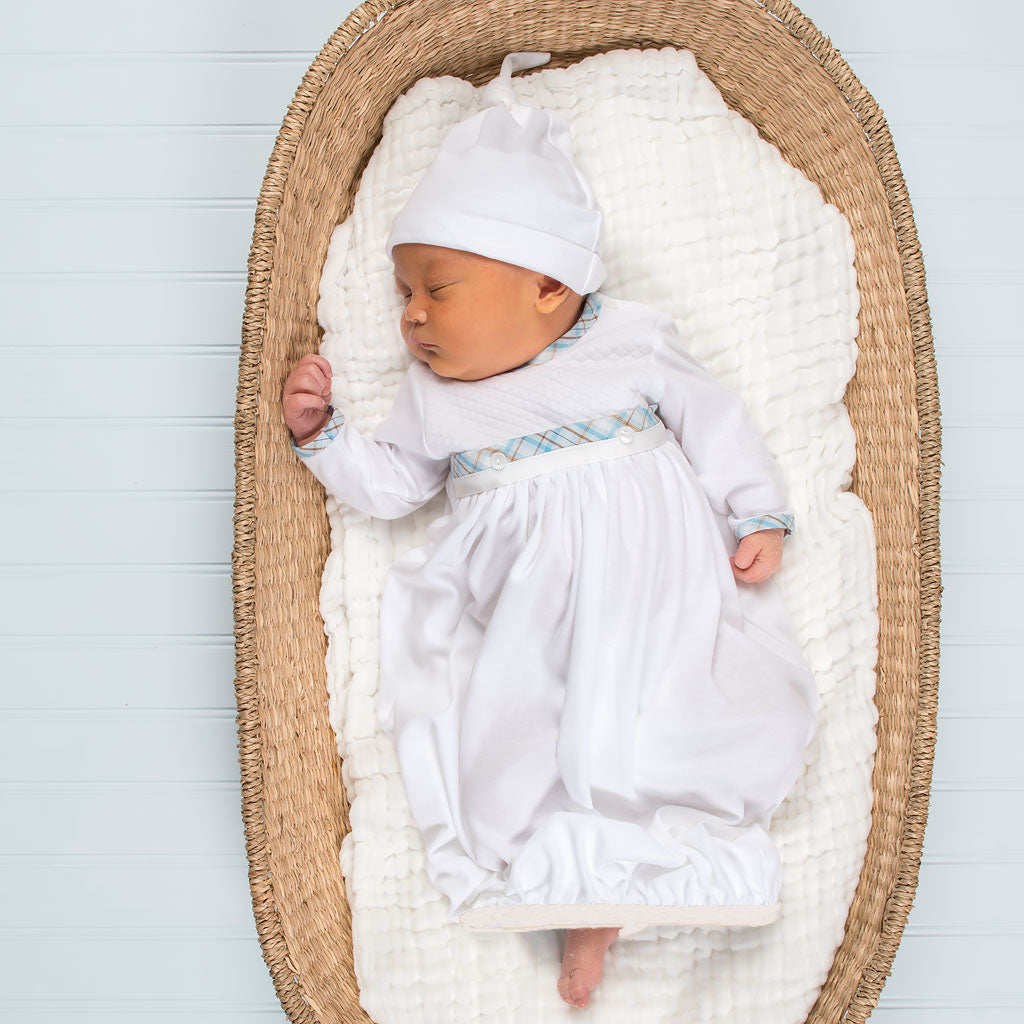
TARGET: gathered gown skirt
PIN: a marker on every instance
(594, 719)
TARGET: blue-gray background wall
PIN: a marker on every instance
(135, 135)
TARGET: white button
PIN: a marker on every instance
(625, 434)
(499, 460)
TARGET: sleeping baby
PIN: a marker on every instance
(592, 684)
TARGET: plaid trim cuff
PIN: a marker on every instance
(317, 444)
(769, 521)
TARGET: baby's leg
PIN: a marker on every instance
(581, 962)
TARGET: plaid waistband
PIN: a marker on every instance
(613, 424)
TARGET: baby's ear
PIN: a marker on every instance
(551, 294)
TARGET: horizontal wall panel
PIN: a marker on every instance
(931, 1011)
(938, 27)
(133, 311)
(972, 239)
(135, 163)
(965, 824)
(147, 25)
(72, 602)
(67, 894)
(76, 672)
(118, 382)
(125, 820)
(981, 387)
(959, 897)
(982, 462)
(121, 529)
(966, 532)
(125, 456)
(151, 1011)
(937, 89)
(983, 604)
(68, 967)
(136, 89)
(935, 968)
(119, 239)
(124, 746)
(997, 666)
(939, 163)
(981, 751)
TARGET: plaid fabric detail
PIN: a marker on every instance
(591, 308)
(324, 438)
(600, 428)
(771, 521)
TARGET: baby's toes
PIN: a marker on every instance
(573, 988)
(563, 990)
(579, 990)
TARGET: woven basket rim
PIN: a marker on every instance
(272, 932)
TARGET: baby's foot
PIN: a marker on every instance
(581, 963)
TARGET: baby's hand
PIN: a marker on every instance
(758, 555)
(307, 397)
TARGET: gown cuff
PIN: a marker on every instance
(766, 521)
(317, 444)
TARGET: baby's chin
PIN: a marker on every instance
(443, 366)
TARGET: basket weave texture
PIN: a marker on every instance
(774, 68)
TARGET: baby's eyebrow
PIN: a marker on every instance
(428, 270)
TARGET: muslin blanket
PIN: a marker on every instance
(706, 221)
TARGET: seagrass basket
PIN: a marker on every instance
(773, 67)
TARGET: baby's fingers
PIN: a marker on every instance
(303, 400)
(314, 359)
(308, 379)
(754, 573)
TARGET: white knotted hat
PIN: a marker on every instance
(504, 185)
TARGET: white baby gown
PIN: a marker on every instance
(594, 719)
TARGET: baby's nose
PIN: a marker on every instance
(415, 315)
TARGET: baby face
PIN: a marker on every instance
(467, 316)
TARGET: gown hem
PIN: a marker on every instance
(630, 917)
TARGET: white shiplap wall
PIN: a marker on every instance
(135, 137)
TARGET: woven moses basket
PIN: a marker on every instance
(772, 66)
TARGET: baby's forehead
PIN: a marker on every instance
(423, 258)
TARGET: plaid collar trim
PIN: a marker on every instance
(591, 309)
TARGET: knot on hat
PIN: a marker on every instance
(499, 90)
(504, 185)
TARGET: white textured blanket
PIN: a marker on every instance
(706, 221)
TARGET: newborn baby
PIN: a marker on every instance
(591, 682)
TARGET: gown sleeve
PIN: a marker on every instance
(387, 475)
(722, 443)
